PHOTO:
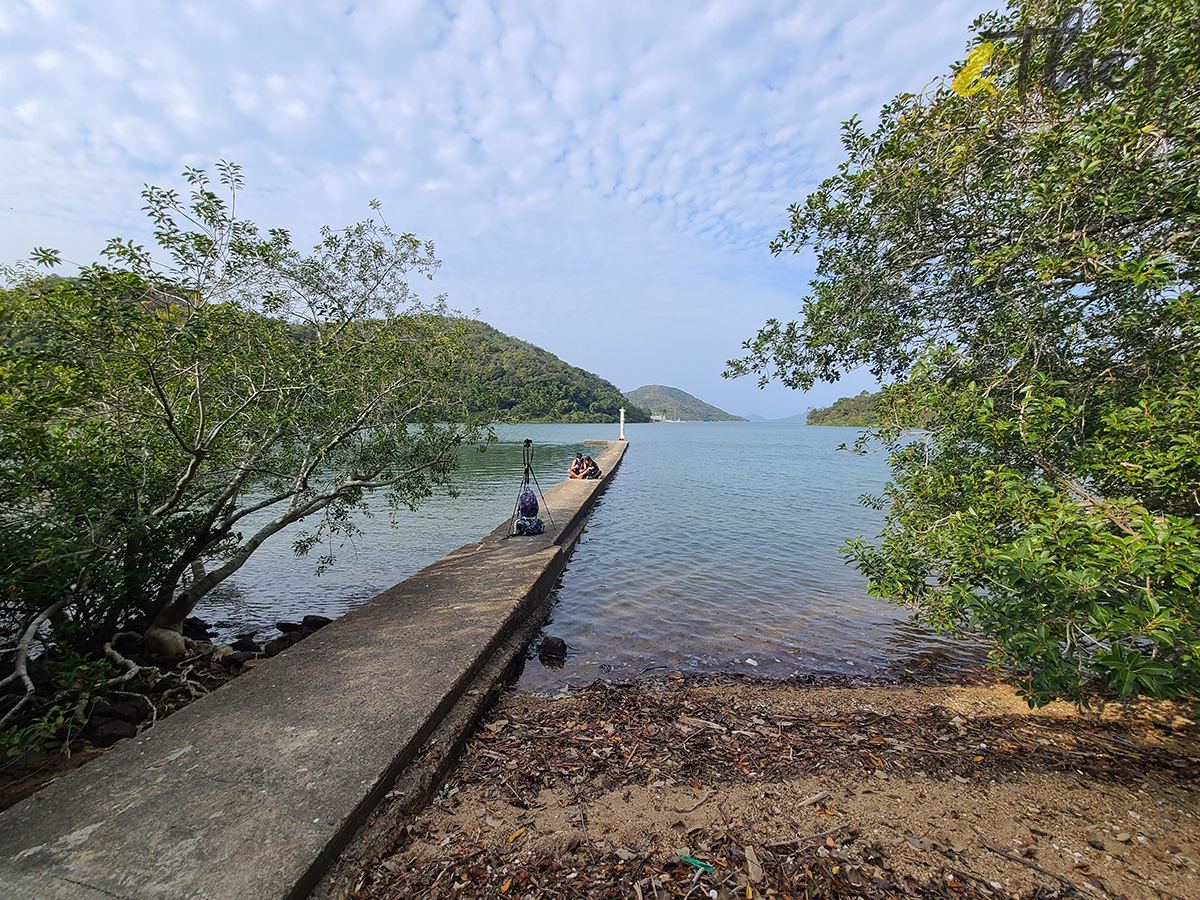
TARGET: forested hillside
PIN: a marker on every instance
(672, 403)
(530, 384)
(858, 411)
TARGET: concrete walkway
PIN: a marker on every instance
(252, 791)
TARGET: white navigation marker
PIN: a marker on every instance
(622, 423)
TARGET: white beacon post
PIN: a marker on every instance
(622, 423)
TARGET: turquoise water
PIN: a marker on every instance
(715, 549)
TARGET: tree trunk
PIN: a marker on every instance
(165, 634)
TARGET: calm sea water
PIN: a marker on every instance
(715, 549)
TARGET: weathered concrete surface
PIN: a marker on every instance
(252, 791)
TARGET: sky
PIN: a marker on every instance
(601, 179)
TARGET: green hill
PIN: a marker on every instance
(858, 411)
(530, 384)
(672, 403)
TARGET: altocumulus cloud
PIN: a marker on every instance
(628, 158)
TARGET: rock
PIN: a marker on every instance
(106, 732)
(132, 712)
(196, 629)
(277, 646)
(239, 658)
(142, 707)
(198, 648)
(295, 637)
(315, 622)
(245, 645)
(164, 642)
(252, 663)
(552, 652)
(285, 627)
(221, 653)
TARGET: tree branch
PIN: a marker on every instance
(20, 665)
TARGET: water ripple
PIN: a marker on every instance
(715, 549)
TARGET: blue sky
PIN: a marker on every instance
(600, 178)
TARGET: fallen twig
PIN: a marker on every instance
(704, 799)
(797, 843)
(1029, 864)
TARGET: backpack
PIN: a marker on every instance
(529, 526)
(527, 504)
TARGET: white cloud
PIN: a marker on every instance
(633, 157)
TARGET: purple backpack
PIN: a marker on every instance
(527, 504)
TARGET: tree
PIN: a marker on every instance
(856, 411)
(1015, 253)
(161, 419)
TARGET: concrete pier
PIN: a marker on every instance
(254, 790)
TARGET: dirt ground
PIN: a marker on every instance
(774, 790)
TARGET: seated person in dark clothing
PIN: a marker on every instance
(590, 470)
(577, 467)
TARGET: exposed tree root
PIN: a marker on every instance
(21, 664)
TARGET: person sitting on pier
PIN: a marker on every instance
(577, 467)
(590, 470)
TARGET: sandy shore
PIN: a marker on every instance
(733, 789)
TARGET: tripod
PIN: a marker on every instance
(527, 478)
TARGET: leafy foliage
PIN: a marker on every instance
(528, 384)
(160, 420)
(857, 411)
(1017, 252)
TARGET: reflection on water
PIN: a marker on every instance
(277, 585)
(715, 549)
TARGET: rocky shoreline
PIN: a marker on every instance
(153, 689)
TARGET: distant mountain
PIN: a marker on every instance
(858, 411)
(530, 384)
(672, 403)
(798, 419)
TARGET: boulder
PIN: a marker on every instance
(552, 649)
(315, 622)
(132, 711)
(222, 652)
(106, 732)
(164, 642)
(277, 646)
(196, 629)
